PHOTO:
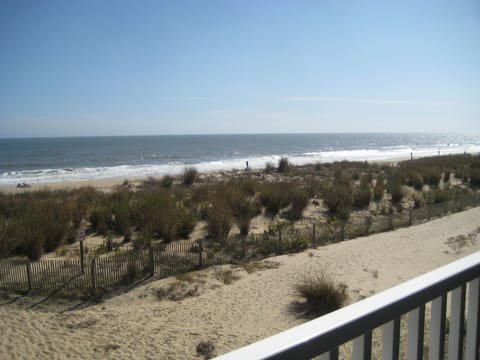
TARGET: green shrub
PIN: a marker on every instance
(276, 196)
(396, 191)
(431, 176)
(189, 176)
(475, 177)
(269, 167)
(442, 195)
(283, 165)
(219, 221)
(415, 181)
(362, 195)
(338, 199)
(299, 200)
(379, 188)
(186, 222)
(167, 181)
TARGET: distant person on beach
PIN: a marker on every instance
(246, 164)
(411, 156)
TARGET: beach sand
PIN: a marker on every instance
(137, 325)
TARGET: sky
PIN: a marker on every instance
(117, 67)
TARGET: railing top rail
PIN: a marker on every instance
(329, 331)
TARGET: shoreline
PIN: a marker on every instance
(107, 184)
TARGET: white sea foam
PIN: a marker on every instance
(255, 162)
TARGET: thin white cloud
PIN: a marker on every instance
(367, 101)
(313, 99)
(403, 102)
(190, 98)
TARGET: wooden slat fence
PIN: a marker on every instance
(106, 272)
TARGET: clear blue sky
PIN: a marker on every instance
(113, 67)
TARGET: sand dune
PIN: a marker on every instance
(138, 325)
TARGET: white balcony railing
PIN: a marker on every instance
(459, 282)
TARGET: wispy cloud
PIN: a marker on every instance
(403, 102)
(313, 99)
(367, 101)
(190, 98)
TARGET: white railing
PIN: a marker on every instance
(459, 282)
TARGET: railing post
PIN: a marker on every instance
(151, 262)
(437, 328)
(391, 339)
(93, 278)
(457, 323)
(29, 275)
(362, 347)
(472, 343)
(416, 329)
(331, 355)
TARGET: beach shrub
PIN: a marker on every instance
(299, 201)
(219, 220)
(379, 188)
(338, 199)
(322, 293)
(189, 176)
(446, 176)
(475, 177)
(362, 195)
(415, 180)
(269, 167)
(442, 195)
(431, 175)
(167, 181)
(394, 187)
(283, 165)
(418, 202)
(276, 196)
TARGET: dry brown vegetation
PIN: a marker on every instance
(168, 209)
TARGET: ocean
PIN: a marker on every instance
(36, 160)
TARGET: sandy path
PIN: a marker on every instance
(138, 325)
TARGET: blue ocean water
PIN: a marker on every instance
(34, 160)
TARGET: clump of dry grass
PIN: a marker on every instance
(253, 266)
(177, 291)
(322, 294)
(206, 349)
(226, 276)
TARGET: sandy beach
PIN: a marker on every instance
(137, 324)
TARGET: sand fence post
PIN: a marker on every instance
(28, 267)
(82, 259)
(200, 256)
(151, 263)
(92, 277)
(314, 236)
(390, 219)
(244, 250)
(368, 224)
(280, 241)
